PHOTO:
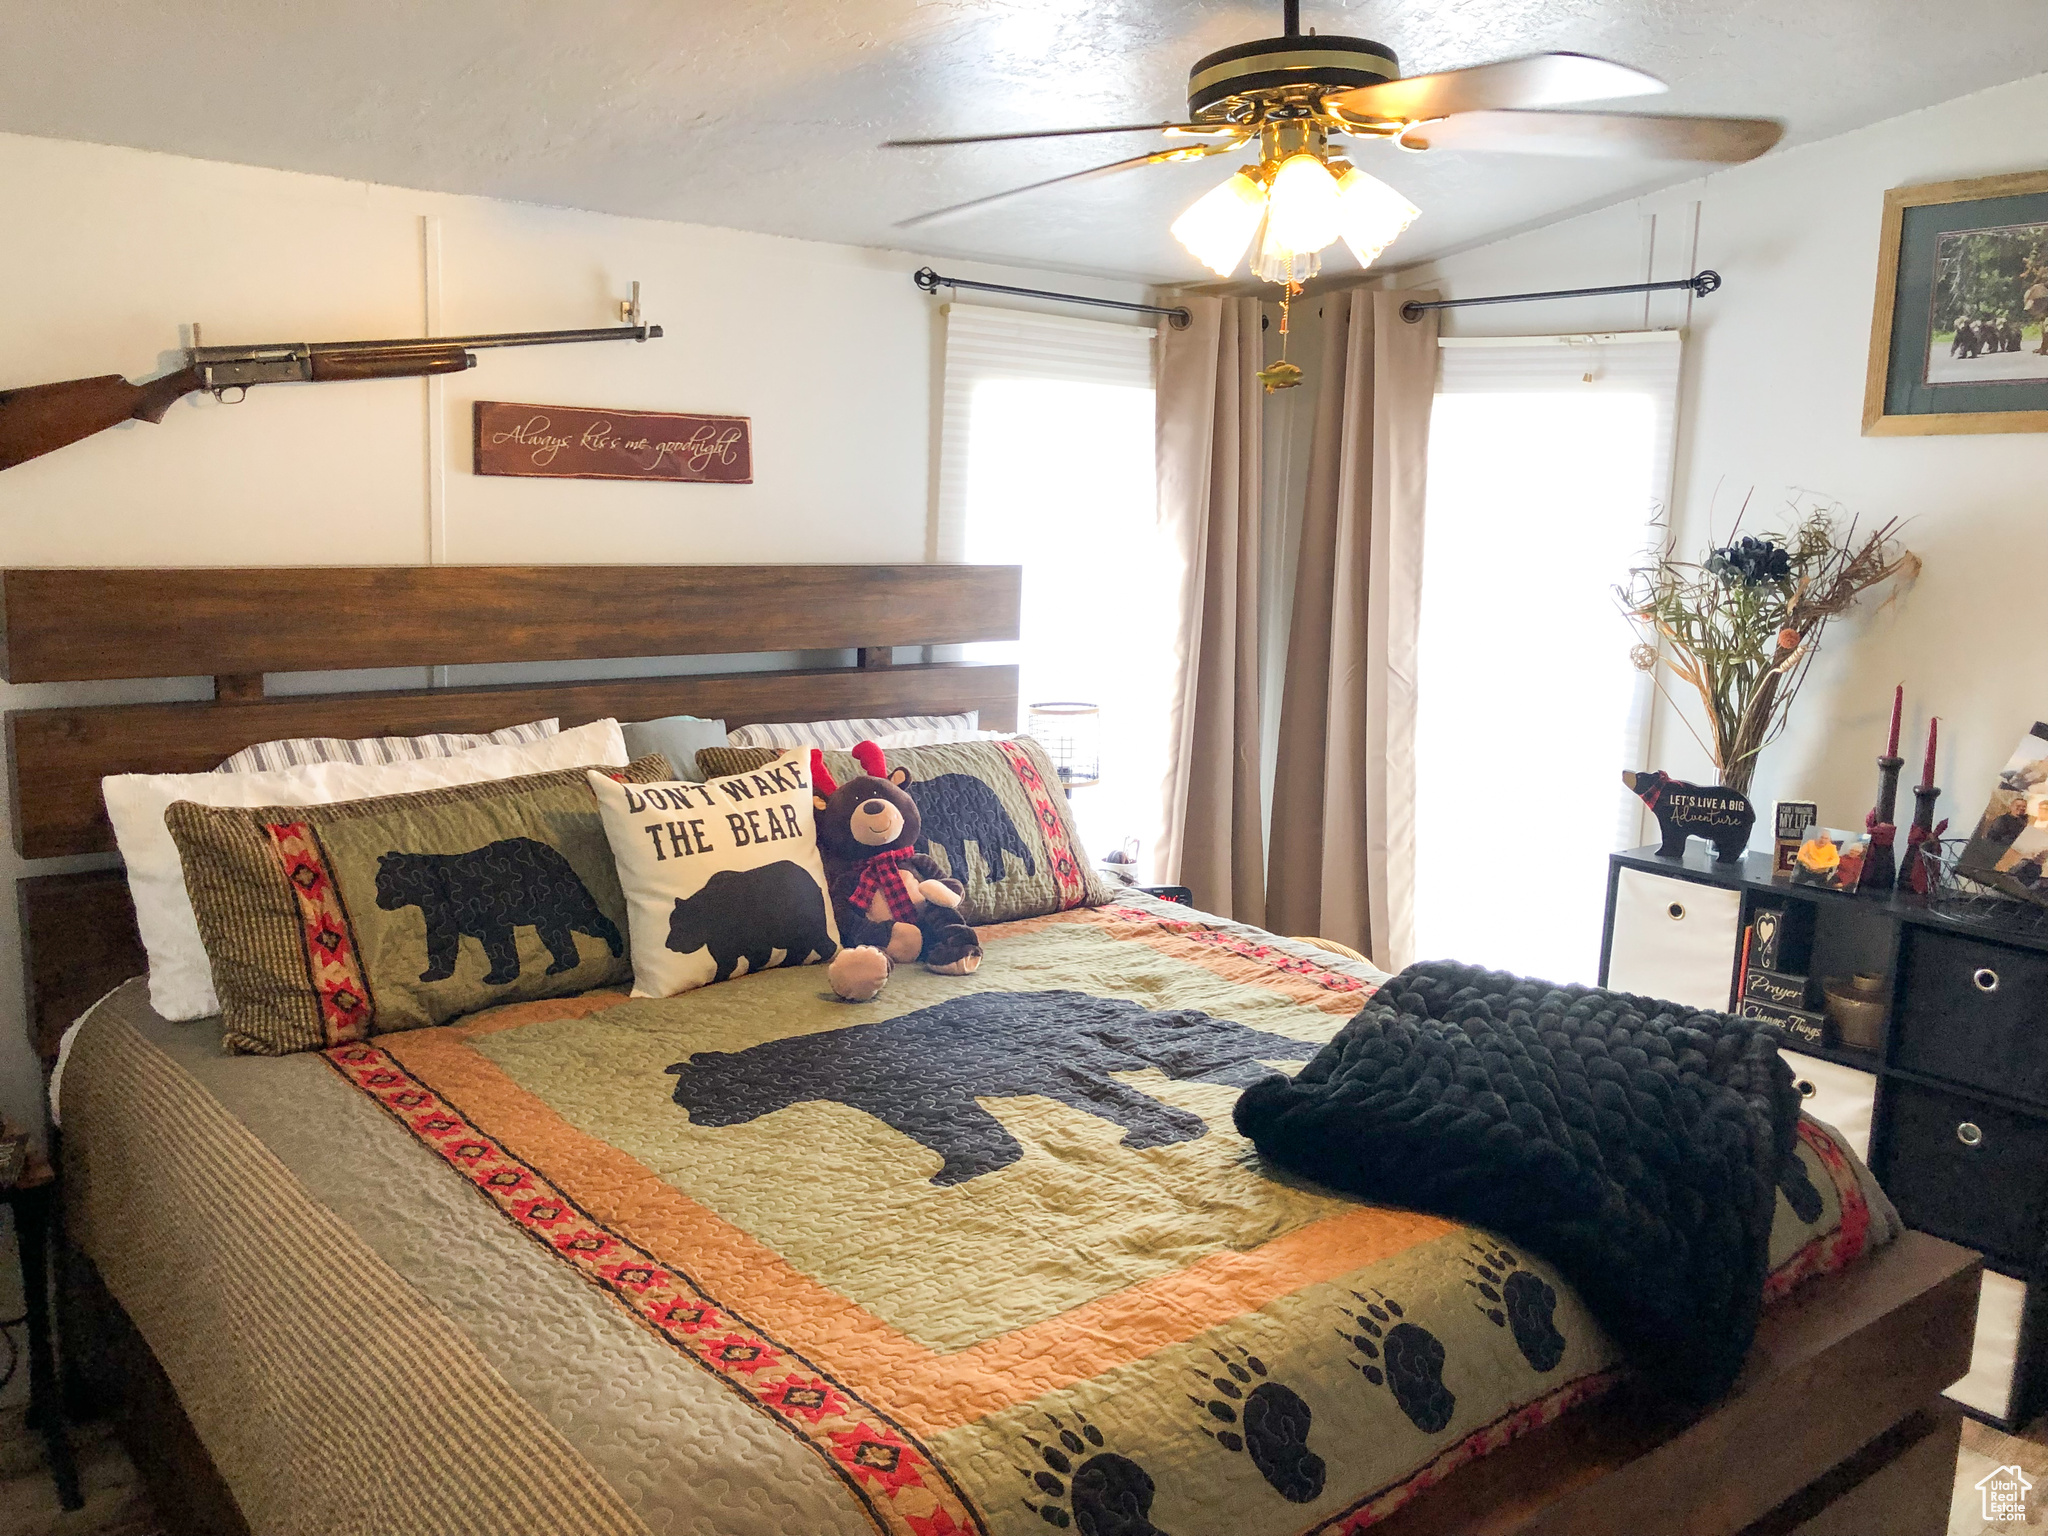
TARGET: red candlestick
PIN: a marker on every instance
(1927, 772)
(1898, 702)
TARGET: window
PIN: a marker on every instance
(1047, 461)
(1548, 458)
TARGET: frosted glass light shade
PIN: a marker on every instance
(1220, 223)
(1370, 214)
(1274, 263)
(1301, 219)
(1303, 205)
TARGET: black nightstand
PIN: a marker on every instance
(33, 1199)
(1955, 1093)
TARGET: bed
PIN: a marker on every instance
(681, 1264)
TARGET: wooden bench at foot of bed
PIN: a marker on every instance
(1837, 1424)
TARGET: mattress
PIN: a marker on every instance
(984, 1255)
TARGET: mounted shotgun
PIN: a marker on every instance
(43, 417)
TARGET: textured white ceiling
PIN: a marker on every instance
(765, 116)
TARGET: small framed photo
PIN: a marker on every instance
(1959, 335)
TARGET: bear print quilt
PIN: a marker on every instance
(985, 1255)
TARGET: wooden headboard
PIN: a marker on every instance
(237, 624)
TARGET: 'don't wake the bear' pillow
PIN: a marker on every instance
(722, 878)
(994, 816)
(327, 923)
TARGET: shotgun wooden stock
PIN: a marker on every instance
(43, 417)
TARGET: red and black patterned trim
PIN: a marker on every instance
(904, 1489)
(1067, 874)
(1266, 954)
(325, 933)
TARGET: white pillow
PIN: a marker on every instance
(722, 878)
(180, 981)
(845, 734)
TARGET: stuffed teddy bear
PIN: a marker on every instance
(893, 904)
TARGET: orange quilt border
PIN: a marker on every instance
(894, 1477)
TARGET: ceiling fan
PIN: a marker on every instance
(1293, 94)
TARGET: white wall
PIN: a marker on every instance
(106, 253)
(1771, 403)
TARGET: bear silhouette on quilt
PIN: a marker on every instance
(488, 893)
(922, 1073)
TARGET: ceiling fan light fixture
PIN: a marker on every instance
(1219, 225)
(1371, 215)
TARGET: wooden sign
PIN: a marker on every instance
(576, 443)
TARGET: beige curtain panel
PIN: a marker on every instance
(1209, 485)
(1342, 842)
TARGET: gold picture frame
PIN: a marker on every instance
(1903, 394)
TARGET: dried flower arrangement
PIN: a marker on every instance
(1742, 626)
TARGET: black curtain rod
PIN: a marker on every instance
(931, 282)
(1701, 285)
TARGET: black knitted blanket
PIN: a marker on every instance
(1633, 1143)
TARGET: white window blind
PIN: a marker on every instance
(1549, 459)
(1047, 460)
(992, 346)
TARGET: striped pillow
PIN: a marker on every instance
(298, 751)
(847, 734)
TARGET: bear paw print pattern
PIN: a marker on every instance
(1406, 1359)
(1266, 1420)
(1520, 1301)
(1800, 1191)
(1102, 1494)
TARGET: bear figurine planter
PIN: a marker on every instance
(1722, 816)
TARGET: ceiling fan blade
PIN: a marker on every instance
(1063, 133)
(1157, 157)
(1540, 80)
(1604, 135)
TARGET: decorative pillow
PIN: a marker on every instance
(180, 984)
(298, 751)
(994, 815)
(722, 878)
(328, 923)
(847, 734)
(676, 737)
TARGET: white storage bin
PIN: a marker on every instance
(1842, 1096)
(1988, 1387)
(1674, 939)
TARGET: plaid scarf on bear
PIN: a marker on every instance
(884, 875)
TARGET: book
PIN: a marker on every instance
(1791, 818)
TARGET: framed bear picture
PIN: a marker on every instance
(1959, 331)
